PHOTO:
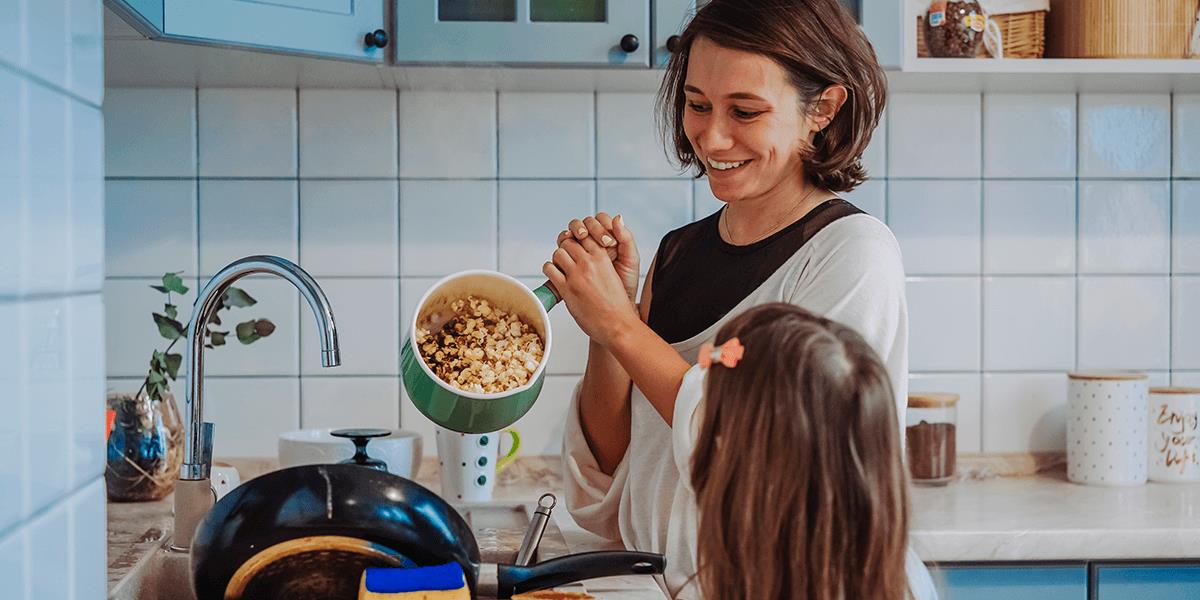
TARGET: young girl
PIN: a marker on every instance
(786, 436)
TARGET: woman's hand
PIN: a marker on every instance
(609, 233)
(597, 297)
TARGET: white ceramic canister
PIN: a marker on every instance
(1107, 431)
(1175, 434)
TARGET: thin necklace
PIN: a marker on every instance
(724, 220)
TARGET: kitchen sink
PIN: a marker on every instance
(164, 574)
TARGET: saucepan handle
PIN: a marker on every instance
(576, 567)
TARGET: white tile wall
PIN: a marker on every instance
(934, 135)
(464, 127)
(937, 224)
(329, 209)
(627, 141)
(1185, 255)
(1186, 154)
(532, 213)
(347, 133)
(247, 132)
(1125, 227)
(241, 218)
(150, 132)
(1124, 135)
(547, 136)
(52, 227)
(1029, 227)
(1020, 265)
(1029, 135)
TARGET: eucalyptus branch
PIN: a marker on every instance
(164, 366)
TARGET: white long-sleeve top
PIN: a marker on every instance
(851, 272)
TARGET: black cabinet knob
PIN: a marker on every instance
(674, 43)
(630, 43)
(376, 39)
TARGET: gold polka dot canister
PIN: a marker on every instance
(1107, 430)
(1175, 434)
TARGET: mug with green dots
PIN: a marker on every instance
(469, 462)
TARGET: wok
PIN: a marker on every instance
(310, 531)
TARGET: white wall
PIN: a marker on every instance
(1041, 234)
(52, 533)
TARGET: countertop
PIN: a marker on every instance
(1045, 517)
(1040, 517)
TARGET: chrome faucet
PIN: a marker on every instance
(194, 495)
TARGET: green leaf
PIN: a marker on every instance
(246, 333)
(158, 361)
(217, 337)
(215, 319)
(169, 328)
(174, 361)
(174, 283)
(156, 377)
(171, 310)
(238, 297)
(161, 289)
(264, 327)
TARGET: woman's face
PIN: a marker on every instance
(745, 122)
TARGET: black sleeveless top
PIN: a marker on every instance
(699, 277)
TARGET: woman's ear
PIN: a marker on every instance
(827, 106)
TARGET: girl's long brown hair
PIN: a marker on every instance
(818, 44)
(797, 466)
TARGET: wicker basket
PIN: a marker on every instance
(1023, 34)
(1121, 28)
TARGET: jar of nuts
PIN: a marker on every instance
(954, 28)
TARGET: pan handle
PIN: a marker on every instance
(576, 567)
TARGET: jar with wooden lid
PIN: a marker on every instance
(929, 432)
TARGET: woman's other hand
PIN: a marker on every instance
(587, 280)
(612, 235)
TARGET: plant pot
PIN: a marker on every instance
(145, 448)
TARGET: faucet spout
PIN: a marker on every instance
(197, 440)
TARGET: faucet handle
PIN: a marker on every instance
(206, 442)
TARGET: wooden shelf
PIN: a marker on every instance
(1054, 66)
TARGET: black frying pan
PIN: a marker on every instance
(309, 531)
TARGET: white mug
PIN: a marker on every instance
(1174, 434)
(469, 463)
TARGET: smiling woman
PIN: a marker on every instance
(775, 101)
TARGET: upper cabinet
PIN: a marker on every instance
(349, 29)
(561, 33)
(524, 32)
(879, 20)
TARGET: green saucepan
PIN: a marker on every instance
(459, 410)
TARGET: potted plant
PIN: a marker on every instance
(145, 443)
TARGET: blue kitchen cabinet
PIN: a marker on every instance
(670, 17)
(613, 33)
(1008, 582)
(1147, 582)
(879, 19)
(347, 29)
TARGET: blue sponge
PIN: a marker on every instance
(442, 582)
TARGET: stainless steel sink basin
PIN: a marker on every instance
(162, 575)
(165, 574)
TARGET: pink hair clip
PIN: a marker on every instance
(727, 354)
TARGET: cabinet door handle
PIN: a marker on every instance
(630, 43)
(376, 39)
(673, 43)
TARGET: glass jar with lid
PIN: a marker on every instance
(930, 426)
(954, 28)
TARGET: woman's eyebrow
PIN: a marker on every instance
(734, 95)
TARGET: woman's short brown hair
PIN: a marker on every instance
(818, 44)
